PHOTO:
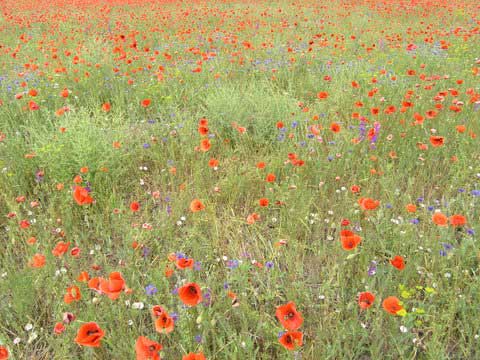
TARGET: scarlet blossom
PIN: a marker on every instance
(263, 202)
(184, 263)
(291, 340)
(368, 203)
(355, 189)
(164, 323)
(398, 262)
(288, 316)
(190, 294)
(365, 300)
(437, 141)
(196, 205)
(392, 305)
(60, 249)
(146, 349)
(349, 240)
(270, 178)
(457, 220)
(73, 294)
(439, 219)
(335, 127)
(106, 107)
(82, 196)
(411, 208)
(4, 353)
(194, 356)
(58, 329)
(205, 145)
(113, 286)
(89, 334)
(322, 95)
(37, 261)
(134, 206)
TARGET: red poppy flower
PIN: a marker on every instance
(322, 95)
(288, 316)
(368, 203)
(164, 323)
(3, 353)
(335, 127)
(82, 196)
(205, 145)
(37, 261)
(392, 305)
(439, 219)
(89, 335)
(184, 263)
(263, 202)
(73, 294)
(398, 262)
(270, 178)
(134, 206)
(58, 329)
(457, 220)
(196, 205)
(437, 141)
(349, 240)
(113, 286)
(203, 130)
(190, 294)
(291, 339)
(213, 163)
(146, 349)
(106, 107)
(157, 310)
(365, 300)
(60, 249)
(194, 356)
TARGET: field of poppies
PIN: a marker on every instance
(239, 179)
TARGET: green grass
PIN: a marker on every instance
(440, 293)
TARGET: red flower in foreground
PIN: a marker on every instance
(368, 203)
(196, 205)
(184, 263)
(398, 262)
(349, 240)
(190, 294)
(288, 316)
(82, 196)
(147, 349)
(392, 305)
(134, 206)
(193, 356)
(322, 95)
(291, 339)
(163, 322)
(457, 220)
(263, 202)
(3, 353)
(146, 103)
(437, 141)
(89, 335)
(365, 300)
(73, 294)
(440, 219)
(113, 286)
(60, 248)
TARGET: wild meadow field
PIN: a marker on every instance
(239, 179)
